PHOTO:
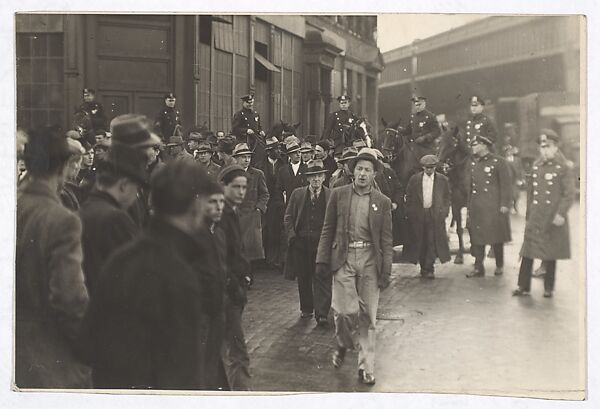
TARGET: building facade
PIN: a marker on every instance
(296, 66)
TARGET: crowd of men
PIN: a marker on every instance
(137, 243)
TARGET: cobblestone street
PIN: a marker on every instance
(451, 334)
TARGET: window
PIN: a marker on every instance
(222, 90)
(40, 81)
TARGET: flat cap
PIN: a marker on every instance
(546, 134)
(429, 161)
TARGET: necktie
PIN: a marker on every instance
(314, 196)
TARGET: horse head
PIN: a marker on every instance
(450, 153)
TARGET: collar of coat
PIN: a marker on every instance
(102, 195)
(41, 188)
(178, 239)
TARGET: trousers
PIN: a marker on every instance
(355, 300)
(234, 352)
(314, 290)
(525, 274)
(428, 254)
(478, 251)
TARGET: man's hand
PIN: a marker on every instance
(249, 131)
(394, 206)
(504, 209)
(384, 282)
(558, 220)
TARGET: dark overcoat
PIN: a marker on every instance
(237, 265)
(51, 297)
(335, 126)
(147, 326)
(333, 243)
(274, 215)
(479, 125)
(423, 130)
(551, 191)
(439, 208)
(251, 211)
(106, 227)
(490, 189)
(165, 122)
(291, 220)
(287, 182)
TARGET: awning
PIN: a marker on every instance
(265, 63)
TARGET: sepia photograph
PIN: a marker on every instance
(245, 204)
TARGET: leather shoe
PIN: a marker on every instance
(366, 378)
(499, 271)
(547, 294)
(321, 321)
(519, 292)
(306, 315)
(338, 357)
(475, 273)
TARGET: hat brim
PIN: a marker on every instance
(153, 140)
(315, 172)
(293, 150)
(242, 153)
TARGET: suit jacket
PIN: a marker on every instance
(51, 296)
(333, 244)
(295, 208)
(287, 182)
(439, 208)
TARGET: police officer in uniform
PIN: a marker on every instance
(168, 118)
(337, 121)
(550, 195)
(488, 204)
(90, 116)
(422, 129)
(246, 126)
(479, 124)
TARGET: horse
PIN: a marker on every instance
(359, 129)
(406, 162)
(454, 157)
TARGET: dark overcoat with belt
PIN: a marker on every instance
(251, 211)
(551, 191)
(51, 296)
(291, 220)
(147, 325)
(333, 243)
(439, 209)
(489, 189)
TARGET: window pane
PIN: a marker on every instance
(40, 73)
(55, 45)
(23, 71)
(39, 118)
(24, 96)
(23, 45)
(55, 71)
(40, 48)
(55, 117)
(39, 97)
(55, 96)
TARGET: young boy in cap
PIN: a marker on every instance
(550, 195)
(427, 205)
(203, 155)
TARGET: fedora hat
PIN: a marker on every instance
(314, 167)
(347, 154)
(175, 140)
(292, 147)
(133, 130)
(306, 147)
(271, 142)
(366, 154)
(241, 149)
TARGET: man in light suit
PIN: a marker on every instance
(358, 250)
(303, 223)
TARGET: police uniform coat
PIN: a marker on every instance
(243, 120)
(423, 130)
(334, 127)
(96, 112)
(251, 211)
(51, 296)
(440, 205)
(333, 243)
(166, 121)
(480, 125)
(293, 215)
(551, 191)
(147, 326)
(490, 189)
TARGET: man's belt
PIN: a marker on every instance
(359, 244)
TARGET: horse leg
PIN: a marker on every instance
(457, 216)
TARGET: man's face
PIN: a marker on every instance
(315, 181)
(364, 173)
(170, 102)
(243, 160)
(100, 152)
(220, 135)
(193, 144)
(235, 191)
(88, 97)
(476, 109)
(248, 104)
(175, 150)
(21, 165)
(273, 153)
(294, 157)
(151, 153)
(420, 105)
(548, 150)
(100, 138)
(88, 158)
(344, 105)
(479, 148)
(204, 157)
(306, 156)
(216, 204)
(429, 170)
(320, 153)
